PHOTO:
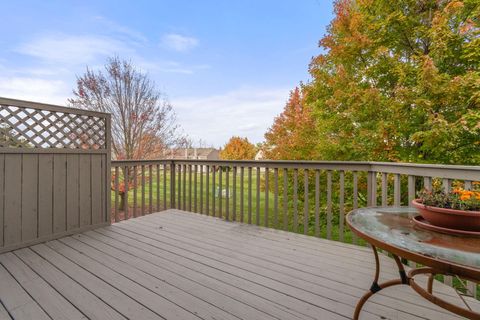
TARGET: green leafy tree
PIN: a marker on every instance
(399, 81)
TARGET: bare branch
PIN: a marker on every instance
(143, 121)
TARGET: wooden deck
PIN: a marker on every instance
(178, 265)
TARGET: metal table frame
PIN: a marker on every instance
(431, 268)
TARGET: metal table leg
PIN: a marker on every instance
(376, 286)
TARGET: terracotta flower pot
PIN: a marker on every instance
(449, 218)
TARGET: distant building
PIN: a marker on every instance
(260, 155)
(192, 154)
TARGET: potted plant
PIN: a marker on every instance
(458, 209)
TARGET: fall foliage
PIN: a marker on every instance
(292, 135)
(398, 81)
(238, 148)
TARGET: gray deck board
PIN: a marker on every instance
(158, 286)
(16, 300)
(178, 265)
(4, 314)
(263, 271)
(55, 305)
(232, 279)
(250, 304)
(105, 291)
(311, 279)
(304, 253)
(77, 295)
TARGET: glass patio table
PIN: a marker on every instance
(392, 229)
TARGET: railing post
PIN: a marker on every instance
(371, 188)
(172, 184)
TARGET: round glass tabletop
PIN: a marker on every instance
(393, 226)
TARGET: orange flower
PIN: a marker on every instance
(464, 197)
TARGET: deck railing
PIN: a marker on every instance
(307, 197)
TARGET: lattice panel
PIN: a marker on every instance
(34, 128)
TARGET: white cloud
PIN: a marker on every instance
(167, 66)
(35, 89)
(72, 49)
(130, 34)
(245, 112)
(179, 42)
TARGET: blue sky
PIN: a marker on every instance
(226, 66)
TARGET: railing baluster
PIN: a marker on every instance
(411, 196)
(126, 181)
(207, 191)
(411, 189)
(158, 186)
(305, 202)
(285, 199)
(427, 183)
(172, 185)
(341, 210)
(150, 189)
(467, 185)
(116, 186)
(184, 191)
(201, 189)
(257, 199)
(227, 196)
(242, 173)
(190, 187)
(384, 189)
(446, 183)
(165, 186)
(396, 190)
(295, 200)
(195, 173)
(135, 187)
(214, 168)
(249, 195)
(267, 196)
(471, 286)
(234, 205)
(143, 190)
(355, 200)
(275, 199)
(371, 188)
(220, 192)
(317, 203)
(179, 200)
(329, 204)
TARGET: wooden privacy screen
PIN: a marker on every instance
(54, 172)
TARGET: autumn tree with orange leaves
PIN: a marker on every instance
(238, 148)
(399, 81)
(396, 81)
(293, 135)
